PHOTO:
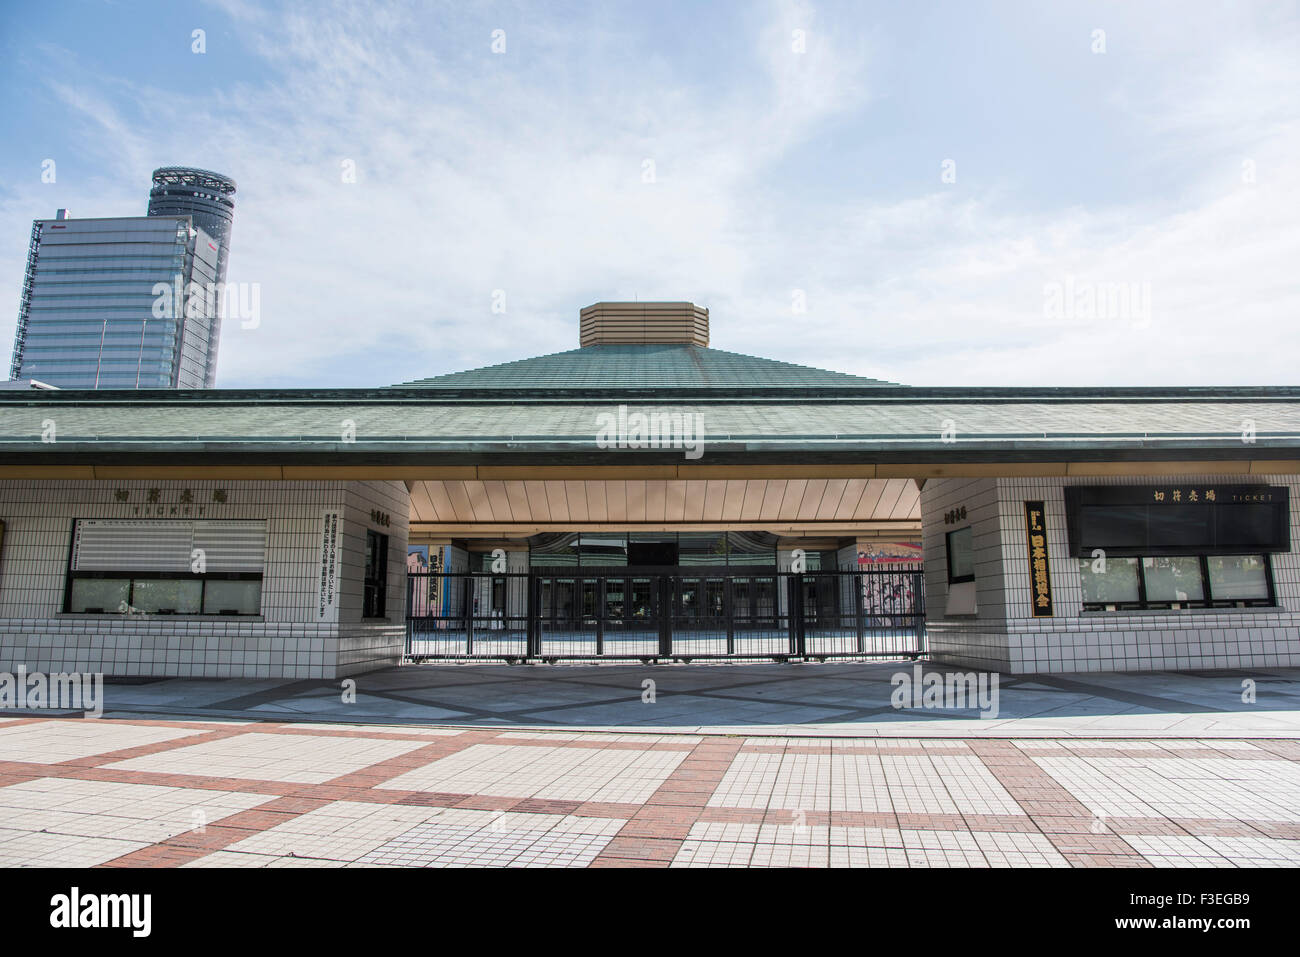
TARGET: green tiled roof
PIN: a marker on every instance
(863, 425)
(427, 427)
(663, 366)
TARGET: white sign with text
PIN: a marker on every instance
(331, 535)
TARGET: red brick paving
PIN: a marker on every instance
(656, 831)
(192, 845)
(1057, 813)
(653, 832)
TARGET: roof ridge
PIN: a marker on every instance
(494, 365)
(800, 365)
(668, 365)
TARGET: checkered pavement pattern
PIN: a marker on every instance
(143, 792)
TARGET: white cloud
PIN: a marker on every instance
(523, 173)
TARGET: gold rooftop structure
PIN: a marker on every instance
(640, 323)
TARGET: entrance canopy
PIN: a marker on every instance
(790, 506)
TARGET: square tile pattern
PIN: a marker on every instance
(1177, 787)
(574, 800)
(302, 758)
(912, 784)
(386, 835)
(51, 742)
(614, 775)
(65, 822)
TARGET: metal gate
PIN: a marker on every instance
(676, 615)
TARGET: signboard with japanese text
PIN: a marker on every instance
(1180, 518)
(1040, 574)
(331, 534)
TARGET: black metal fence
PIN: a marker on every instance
(672, 615)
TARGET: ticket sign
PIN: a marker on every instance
(1136, 521)
(1040, 575)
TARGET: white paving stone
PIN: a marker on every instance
(615, 775)
(302, 758)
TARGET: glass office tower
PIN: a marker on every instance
(119, 303)
(208, 199)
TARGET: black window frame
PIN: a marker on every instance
(70, 575)
(1207, 589)
(134, 577)
(374, 588)
(947, 548)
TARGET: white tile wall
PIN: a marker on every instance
(1004, 635)
(285, 641)
(368, 645)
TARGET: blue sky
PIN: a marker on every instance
(797, 194)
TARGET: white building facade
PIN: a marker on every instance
(1246, 614)
(269, 533)
(202, 578)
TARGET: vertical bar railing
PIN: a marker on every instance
(658, 614)
(728, 612)
(667, 595)
(918, 610)
(410, 602)
(467, 611)
(534, 612)
(794, 589)
(860, 610)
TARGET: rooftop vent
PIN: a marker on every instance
(640, 323)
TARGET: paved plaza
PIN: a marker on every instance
(831, 698)
(139, 792)
(723, 765)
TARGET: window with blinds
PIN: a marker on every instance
(166, 567)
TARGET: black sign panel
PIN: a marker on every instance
(1184, 518)
(1040, 572)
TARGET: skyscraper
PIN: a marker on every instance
(106, 304)
(208, 199)
(131, 302)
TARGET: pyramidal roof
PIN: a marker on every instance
(646, 346)
(646, 366)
